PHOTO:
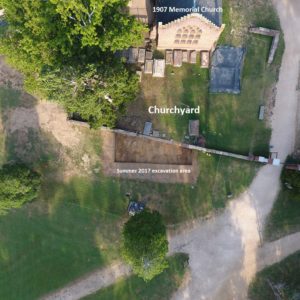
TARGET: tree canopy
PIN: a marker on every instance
(145, 244)
(71, 44)
(98, 93)
(18, 185)
(50, 31)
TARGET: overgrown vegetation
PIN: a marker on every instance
(160, 288)
(18, 185)
(279, 281)
(145, 244)
(284, 218)
(60, 47)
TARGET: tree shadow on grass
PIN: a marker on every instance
(25, 141)
(44, 252)
(64, 233)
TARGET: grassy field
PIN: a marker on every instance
(284, 218)
(281, 279)
(159, 288)
(179, 202)
(74, 226)
(56, 239)
(228, 122)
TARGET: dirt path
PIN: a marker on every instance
(225, 251)
(90, 284)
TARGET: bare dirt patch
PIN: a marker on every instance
(38, 132)
(52, 118)
(137, 150)
(147, 166)
(10, 77)
(46, 116)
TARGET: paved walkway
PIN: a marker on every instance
(90, 283)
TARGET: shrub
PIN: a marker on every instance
(18, 185)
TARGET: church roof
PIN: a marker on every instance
(208, 8)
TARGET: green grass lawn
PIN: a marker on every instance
(58, 238)
(228, 122)
(219, 176)
(284, 218)
(134, 288)
(284, 277)
(74, 226)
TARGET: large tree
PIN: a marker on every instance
(145, 244)
(46, 32)
(62, 43)
(18, 185)
(96, 92)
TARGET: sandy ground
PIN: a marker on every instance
(46, 116)
(135, 149)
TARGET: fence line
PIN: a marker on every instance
(175, 143)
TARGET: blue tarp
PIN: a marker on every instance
(135, 207)
(226, 70)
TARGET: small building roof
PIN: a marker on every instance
(142, 10)
(226, 70)
(147, 128)
(139, 74)
(169, 57)
(142, 55)
(148, 66)
(159, 66)
(177, 58)
(133, 55)
(193, 127)
(185, 56)
(204, 59)
(261, 114)
(193, 57)
(149, 54)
